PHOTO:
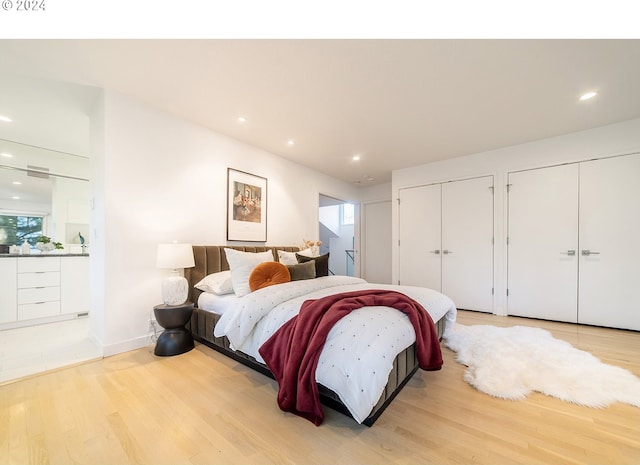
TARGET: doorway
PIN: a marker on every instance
(336, 230)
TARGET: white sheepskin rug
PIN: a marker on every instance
(510, 363)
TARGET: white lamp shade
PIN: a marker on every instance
(174, 256)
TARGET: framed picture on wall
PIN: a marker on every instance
(246, 207)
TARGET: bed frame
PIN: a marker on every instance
(211, 259)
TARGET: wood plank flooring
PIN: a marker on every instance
(203, 408)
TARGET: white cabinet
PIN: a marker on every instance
(446, 240)
(74, 287)
(573, 251)
(8, 289)
(38, 287)
(38, 279)
(41, 289)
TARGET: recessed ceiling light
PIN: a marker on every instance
(15, 197)
(291, 142)
(242, 119)
(6, 155)
(588, 95)
(16, 183)
(355, 157)
(5, 119)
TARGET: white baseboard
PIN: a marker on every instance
(126, 346)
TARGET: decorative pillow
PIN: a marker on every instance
(216, 283)
(302, 271)
(241, 265)
(322, 263)
(267, 274)
(289, 258)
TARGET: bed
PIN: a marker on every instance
(225, 331)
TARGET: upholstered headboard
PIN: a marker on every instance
(211, 259)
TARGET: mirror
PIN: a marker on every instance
(38, 182)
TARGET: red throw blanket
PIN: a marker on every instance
(292, 353)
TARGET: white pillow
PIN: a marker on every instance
(216, 283)
(289, 258)
(216, 303)
(241, 265)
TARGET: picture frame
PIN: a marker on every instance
(246, 207)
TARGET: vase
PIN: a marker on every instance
(44, 247)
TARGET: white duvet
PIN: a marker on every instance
(355, 362)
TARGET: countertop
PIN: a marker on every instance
(42, 255)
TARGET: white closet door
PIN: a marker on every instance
(376, 242)
(610, 230)
(543, 243)
(420, 236)
(467, 243)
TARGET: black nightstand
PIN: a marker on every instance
(175, 339)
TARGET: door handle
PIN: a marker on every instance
(587, 252)
(437, 251)
(571, 253)
(446, 252)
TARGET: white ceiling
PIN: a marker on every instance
(396, 103)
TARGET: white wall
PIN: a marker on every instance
(616, 139)
(376, 193)
(330, 217)
(158, 178)
(97, 220)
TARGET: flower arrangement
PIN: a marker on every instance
(45, 244)
(309, 244)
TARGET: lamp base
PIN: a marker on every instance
(175, 289)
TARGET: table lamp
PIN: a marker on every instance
(175, 256)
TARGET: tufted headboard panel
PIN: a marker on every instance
(211, 259)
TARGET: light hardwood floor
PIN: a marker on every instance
(203, 408)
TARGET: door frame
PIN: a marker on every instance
(330, 201)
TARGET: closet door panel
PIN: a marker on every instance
(467, 236)
(542, 270)
(420, 236)
(609, 279)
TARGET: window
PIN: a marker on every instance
(14, 229)
(347, 213)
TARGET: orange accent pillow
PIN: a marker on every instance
(268, 274)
